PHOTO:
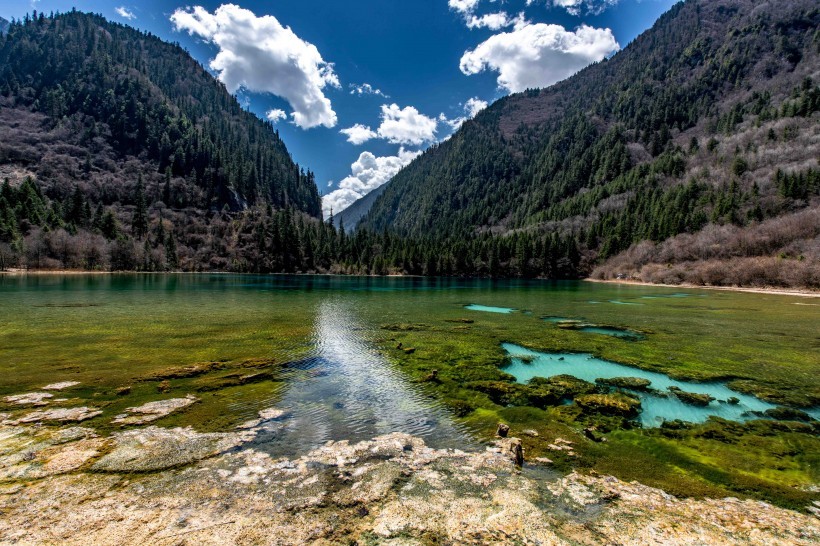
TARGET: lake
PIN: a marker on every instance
(324, 349)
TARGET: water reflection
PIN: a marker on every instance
(348, 391)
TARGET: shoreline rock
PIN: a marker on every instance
(152, 411)
(146, 485)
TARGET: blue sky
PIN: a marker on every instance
(359, 87)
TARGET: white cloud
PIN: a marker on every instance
(492, 21)
(261, 55)
(276, 115)
(406, 125)
(366, 89)
(472, 107)
(463, 6)
(538, 55)
(368, 172)
(125, 13)
(359, 134)
(577, 7)
(399, 126)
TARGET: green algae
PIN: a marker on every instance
(196, 335)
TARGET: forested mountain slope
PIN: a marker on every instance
(106, 120)
(709, 117)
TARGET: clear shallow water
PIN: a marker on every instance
(489, 309)
(352, 393)
(107, 331)
(654, 409)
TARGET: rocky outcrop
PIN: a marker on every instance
(29, 399)
(389, 490)
(62, 415)
(83, 489)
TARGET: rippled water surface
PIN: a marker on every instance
(336, 370)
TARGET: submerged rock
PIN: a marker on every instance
(787, 414)
(634, 383)
(155, 448)
(693, 398)
(29, 399)
(150, 412)
(61, 386)
(63, 415)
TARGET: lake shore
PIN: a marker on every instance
(802, 292)
(79, 488)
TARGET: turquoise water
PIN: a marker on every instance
(489, 309)
(336, 368)
(655, 408)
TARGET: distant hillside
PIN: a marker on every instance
(351, 216)
(4, 25)
(708, 118)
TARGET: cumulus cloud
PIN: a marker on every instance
(399, 126)
(359, 134)
(406, 125)
(261, 55)
(463, 6)
(125, 13)
(276, 115)
(367, 173)
(492, 21)
(365, 89)
(538, 55)
(472, 107)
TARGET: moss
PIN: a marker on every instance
(634, 383)
(609, 404)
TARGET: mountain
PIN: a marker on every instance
(707, 120)
(120, 151)
(4, 25)
(351, 216)
(92, 104)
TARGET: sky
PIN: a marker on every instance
(358, 88)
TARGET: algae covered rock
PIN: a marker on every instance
(693, 398)
(609, 404)
(633, 383)
(782, 413)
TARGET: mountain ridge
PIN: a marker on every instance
(577, 157)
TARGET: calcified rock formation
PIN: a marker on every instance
(70, 486)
